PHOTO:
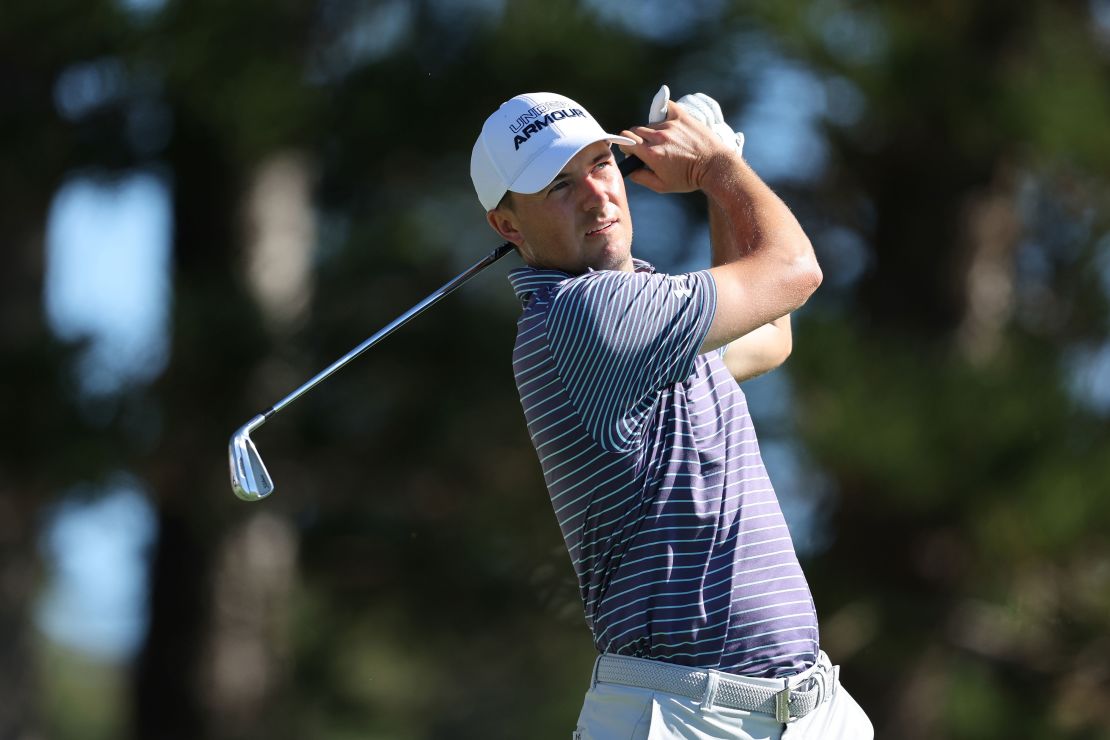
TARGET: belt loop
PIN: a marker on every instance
(710, 696)
(821, 684)
(593, 674)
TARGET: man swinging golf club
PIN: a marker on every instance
(628, 381)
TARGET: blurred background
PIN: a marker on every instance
(204, 203)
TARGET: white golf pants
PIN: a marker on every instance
(617, 712)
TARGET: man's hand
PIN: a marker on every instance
(702, 107)
(680, 152)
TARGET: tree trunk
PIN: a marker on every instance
(167, 704)
(214, 600)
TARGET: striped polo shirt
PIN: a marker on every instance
(654, 472)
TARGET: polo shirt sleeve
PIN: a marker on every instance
(619, 338)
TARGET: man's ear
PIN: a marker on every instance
(504, 223)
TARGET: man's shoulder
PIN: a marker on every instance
(531, 282)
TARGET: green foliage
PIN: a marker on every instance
(967, 561)
(82, 698)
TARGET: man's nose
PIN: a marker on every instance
(594, 192)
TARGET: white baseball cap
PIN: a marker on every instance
(528, 141)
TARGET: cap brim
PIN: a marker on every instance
(542, 170)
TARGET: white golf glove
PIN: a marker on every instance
(701, 107)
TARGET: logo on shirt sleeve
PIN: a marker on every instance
(680, 287)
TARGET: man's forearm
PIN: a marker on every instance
(760, 350)
(723, 243)
(766, 347)
(763, 263)
(722, 247)
(746, 217)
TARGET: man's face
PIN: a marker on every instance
(580, 220)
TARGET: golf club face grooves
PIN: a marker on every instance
(250, 480)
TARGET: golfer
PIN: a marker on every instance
(703, 619)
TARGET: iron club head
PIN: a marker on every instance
(249, 478)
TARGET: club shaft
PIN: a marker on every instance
(627, 165)
(393, 326)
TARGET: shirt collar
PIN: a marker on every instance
(527, 280)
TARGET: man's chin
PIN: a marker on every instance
(613, 263)
(614, 258)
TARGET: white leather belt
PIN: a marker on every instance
(797, 697)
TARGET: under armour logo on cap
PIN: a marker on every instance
(528, 141)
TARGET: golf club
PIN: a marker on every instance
(249, 478)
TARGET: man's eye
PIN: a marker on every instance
(557, 186)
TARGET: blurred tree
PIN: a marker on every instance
(408, 579)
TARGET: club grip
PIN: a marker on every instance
(629, 164)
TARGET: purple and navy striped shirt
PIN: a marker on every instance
(652, 464)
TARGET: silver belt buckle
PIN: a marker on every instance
(782, 706)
